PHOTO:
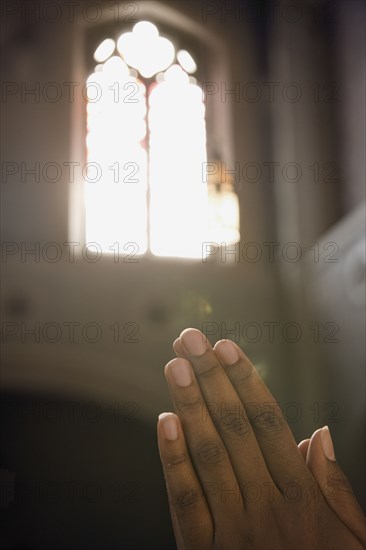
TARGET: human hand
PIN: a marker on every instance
(235, 476)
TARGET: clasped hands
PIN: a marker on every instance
(236, 479)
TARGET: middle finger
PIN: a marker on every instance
(226, 409)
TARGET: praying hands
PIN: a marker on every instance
(236, 479)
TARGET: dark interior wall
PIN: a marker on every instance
(78, 477)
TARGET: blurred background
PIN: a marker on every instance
(246, 219)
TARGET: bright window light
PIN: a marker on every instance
(144, 50)
(115, 190)
(178, 151)
(223, 214)
(146, 149)
(186, 61)
(104, 50)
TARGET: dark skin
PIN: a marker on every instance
(236, 479)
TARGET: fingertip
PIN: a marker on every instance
(303, 447)
(228, 351)
(316, 434)
(194, 341)
(315, 439)
(178, 348)
(179, 363)
(220, 343)
(333, 483)
(171, 362)
(315, 455)
(162, 415)
(190, 330)
(327, 444)
(168, 422)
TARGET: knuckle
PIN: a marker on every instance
(337, 487)
(235, 423)
(296, 490)
(210, 371)
(267, 418)
(176, 459)
(310, 491)
(190, 406)
(186, 499)
(244, 377)
(211, 452)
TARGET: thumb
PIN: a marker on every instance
(303, 447)
(334, 485)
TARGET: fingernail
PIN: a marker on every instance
(327, 444)
(194, 341)
(181, 372)
(227, 350)
(178, 348)
(169, 425)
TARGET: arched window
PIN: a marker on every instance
(147, 186)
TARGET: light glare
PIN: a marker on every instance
(144, 50)
(187, 61)
(104, 50)
(183, 212)
(178, 196)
